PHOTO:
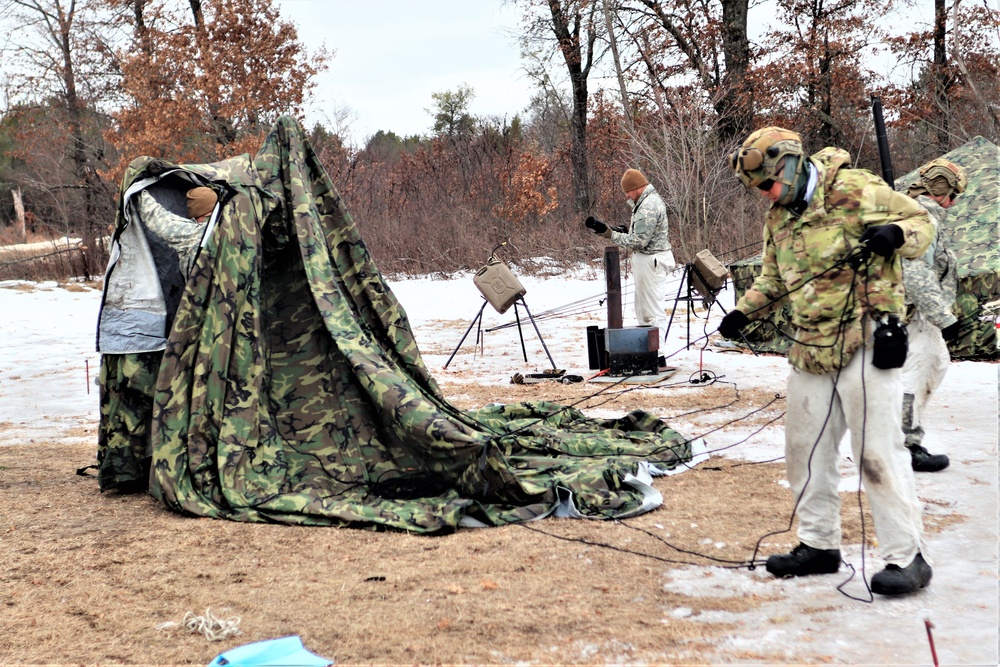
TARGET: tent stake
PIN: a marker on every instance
(930, 639)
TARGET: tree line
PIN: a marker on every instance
(92, 84)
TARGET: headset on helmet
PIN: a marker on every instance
(941, 168)
(759, 158)
(768, 156)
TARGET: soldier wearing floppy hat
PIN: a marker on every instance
(646, 236)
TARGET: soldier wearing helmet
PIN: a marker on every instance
(771, 161)
(931, 283)
(942, 180)
(833, 237)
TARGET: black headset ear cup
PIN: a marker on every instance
(773, 151)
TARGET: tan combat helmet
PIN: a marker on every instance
(760, 157)
(941, 177)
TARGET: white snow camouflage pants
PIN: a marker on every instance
(926, 364)
(650, 273)
(865, 401)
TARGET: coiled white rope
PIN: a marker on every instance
(213, 627)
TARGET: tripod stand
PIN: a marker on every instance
(696, 282)
(479, 319)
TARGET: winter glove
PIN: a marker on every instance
(599, 227)
(880, 240)
(950, 332)
(732, 323)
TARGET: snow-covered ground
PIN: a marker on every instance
(47, 390)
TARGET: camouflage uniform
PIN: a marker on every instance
(931, 283)
(182, 234)
(652, 259)
(826, 307)
(971, 230)
(833, 386)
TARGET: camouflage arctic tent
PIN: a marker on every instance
(972, 223)
(281, 381)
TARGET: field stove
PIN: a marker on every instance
(624, 352)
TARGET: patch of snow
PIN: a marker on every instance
(48, 366)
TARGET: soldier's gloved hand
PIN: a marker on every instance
(595, 224)
(950, 332)
(732, 323)
(879, 240)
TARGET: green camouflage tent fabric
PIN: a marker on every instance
(291, 388)
(973, 226)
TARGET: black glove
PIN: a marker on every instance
(879, 240)
(732, 323)
(595, 224)
(950, 332)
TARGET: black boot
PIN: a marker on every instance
(924, 461)
(804, 560)
(895, 580)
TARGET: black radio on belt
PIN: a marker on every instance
(889, 349)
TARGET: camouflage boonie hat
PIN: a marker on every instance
(938, 169)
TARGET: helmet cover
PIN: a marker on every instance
(932, 173)
(760, 157)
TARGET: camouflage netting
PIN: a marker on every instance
(972, 224)
(291, 388)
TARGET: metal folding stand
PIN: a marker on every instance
(479, 318)
(689, 298)
(708, 298)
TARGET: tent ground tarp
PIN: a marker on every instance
(973, 225)
(291, 388)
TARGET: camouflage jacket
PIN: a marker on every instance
(183, 234)
(931, 281)
(648, 230)
(802, 254)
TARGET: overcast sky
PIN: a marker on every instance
(391, 55)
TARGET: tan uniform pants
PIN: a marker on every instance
(651, 273)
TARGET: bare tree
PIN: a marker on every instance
(206, 85)
(939, 72)
(953, 59)
(574, 25)
(56, 46)
(703, 44)
(575, 29)
(814, 76)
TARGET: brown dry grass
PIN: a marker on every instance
(89, 577)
